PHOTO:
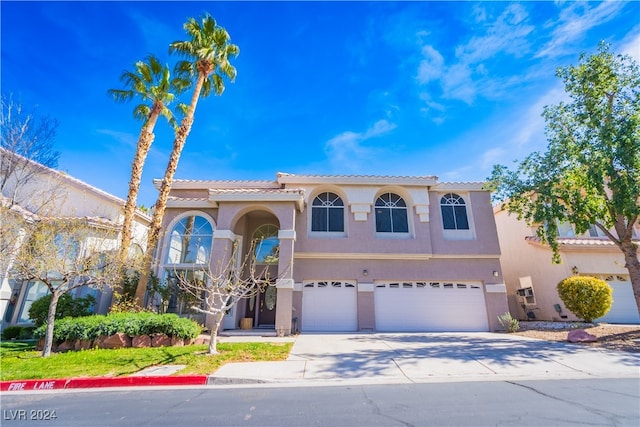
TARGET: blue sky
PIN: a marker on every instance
(367, 88)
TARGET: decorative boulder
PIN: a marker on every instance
(66, 346)
(580, 335)
(83, 344)
(202, 340)
(117, 340)
(177, 342)
(160, 340)
(141, 341)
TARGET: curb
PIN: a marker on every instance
(96, 382)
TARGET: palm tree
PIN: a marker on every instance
(150, 82)
(207, 54)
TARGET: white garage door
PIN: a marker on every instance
(624, 308)
(330, 306)
(430, 306)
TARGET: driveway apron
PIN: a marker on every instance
(423, 357)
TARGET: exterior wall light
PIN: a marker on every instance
(365, 272)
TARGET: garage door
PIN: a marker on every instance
(624, 308)
(430, 306)
(330, 306)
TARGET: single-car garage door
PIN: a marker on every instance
(430, 306)
(624, 308)
(330, 306)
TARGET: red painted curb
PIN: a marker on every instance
(94, 382)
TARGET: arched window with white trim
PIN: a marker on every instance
(327, 213)
(454, 212)
(190, 241)
(391, 214)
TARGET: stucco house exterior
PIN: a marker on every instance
(33, 192)
(355, 253)
(531, 277)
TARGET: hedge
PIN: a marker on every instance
(132, 324)
(587, 297)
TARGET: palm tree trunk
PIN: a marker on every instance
(144, 145)
(165, 188)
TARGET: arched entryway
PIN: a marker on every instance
(258, 231)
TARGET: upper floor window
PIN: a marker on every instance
(191, 240)
(454, 212)
(391, 214)
(327, 213)
(266, 244)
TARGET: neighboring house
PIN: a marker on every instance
(34, 192)
(531, 277)
(355, 253)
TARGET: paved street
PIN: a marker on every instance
(599, 402)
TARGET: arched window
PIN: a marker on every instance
(391, 214)
(327, 213)
(266, 244)
(454, 212)
(190, 241)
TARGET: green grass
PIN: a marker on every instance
(20, 360)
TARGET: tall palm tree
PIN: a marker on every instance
(207, 54)
(150, 82)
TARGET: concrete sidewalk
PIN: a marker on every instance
(429, 357)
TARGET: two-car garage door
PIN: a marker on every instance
(430, 306)
(398, 306)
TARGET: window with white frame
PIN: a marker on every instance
(266, 244)
(190, 241)
(454, 212)
(327, 213)
(391, 214)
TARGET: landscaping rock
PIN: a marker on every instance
(160, 340)
(141, 341)
(202, 339)
(117, 340)
(66, 346)
(177, 342)
(83, 344)
(580, 335)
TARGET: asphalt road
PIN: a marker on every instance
(497, 403)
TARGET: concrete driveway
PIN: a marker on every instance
(430, 357)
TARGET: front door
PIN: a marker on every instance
(267, 307)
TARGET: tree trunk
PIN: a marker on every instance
(165, 188)
(630, 251)
(215, 327)
(48, 337)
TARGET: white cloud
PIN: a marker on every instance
(467, 77)
(432, 66)
(574, 22)
(124, 138)
(631, 44)
(347, 149)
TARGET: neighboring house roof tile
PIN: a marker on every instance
(575, 241)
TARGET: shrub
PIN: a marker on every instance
(586, 297)
(67, 307)
(132, 324)
(11, 332)
(509, 323)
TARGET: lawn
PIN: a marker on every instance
(20, 360)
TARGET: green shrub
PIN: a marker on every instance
(67, 307)
(132, 324)
(11, 332)
(509, 323)
(586, 297)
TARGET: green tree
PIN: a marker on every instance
(207, 54)
(590, 173)
(587, 297)
(152, 84)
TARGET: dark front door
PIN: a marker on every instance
(267, 307)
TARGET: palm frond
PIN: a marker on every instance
(141, 112)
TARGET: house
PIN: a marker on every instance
(31, 192)
(531, 277)
(355, 253)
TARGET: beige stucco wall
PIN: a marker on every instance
(522, 259)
